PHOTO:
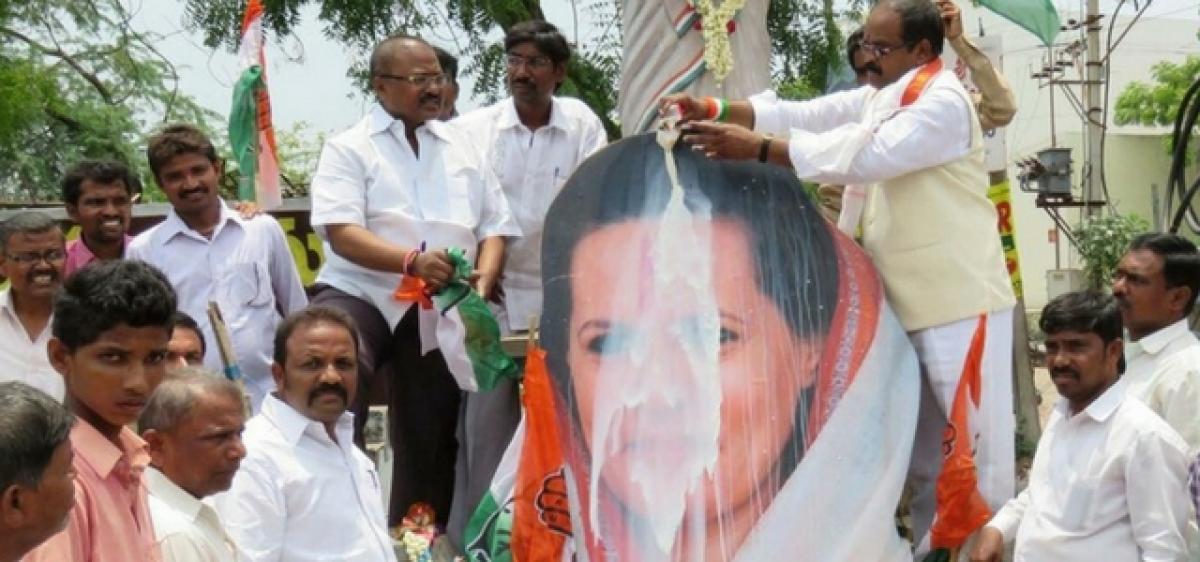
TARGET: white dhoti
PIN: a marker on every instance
(942, 351)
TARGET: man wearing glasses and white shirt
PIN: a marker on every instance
(390, 195)
(534, 141)
(32, 258)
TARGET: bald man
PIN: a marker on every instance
(427, 189)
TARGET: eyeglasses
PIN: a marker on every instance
(537, 62)
(30, 258)
(880, 51)
(420, 81)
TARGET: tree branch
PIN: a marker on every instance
(91, 78)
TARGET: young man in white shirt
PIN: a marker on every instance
(1108, 477)
(32, 258)
(534, 141)
(914, 146)
(210, 253)
(192, 426)
(304, 492)
(390, 195)
(1156, 285)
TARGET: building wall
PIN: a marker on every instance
(1135, 156)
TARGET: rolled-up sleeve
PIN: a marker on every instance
(779, 117)
(338, 188)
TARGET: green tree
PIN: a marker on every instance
(1157, 103)
(77, 81)
(804, 35)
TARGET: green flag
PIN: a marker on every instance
(1036, 16)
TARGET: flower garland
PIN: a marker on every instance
(716, 24)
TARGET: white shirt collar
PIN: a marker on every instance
(174, 226)
(171, 494)
(1156, 342)
(508, 115)
(380, 121)
(292, 424)
(1102, 407)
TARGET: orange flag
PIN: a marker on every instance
(542, 518)
(961, 509)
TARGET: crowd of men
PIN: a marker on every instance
(120, 440)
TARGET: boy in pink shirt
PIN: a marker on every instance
(112, 322)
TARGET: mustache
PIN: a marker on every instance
(327, 388)
(872, 67)
(1064, 371)
(431, 98)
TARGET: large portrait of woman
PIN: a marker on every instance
(729, 381)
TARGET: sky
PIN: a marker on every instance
(307, 71)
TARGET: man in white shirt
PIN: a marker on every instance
(390, 195)
(534, 141)
(1156, 285)
(212, 254)
(193, 430)
(304, 492)
(1108, 477)
(914, 146)
(32, 258)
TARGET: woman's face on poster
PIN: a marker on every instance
(626, 328)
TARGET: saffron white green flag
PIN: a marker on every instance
(1036, 16)
(251, 134)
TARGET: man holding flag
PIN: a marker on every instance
(916, 146)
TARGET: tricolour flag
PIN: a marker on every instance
(251, 134)
(525, 516)
(1036, 16)
(961, 509)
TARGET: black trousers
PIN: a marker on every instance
(423, 404)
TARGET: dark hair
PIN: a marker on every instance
(106, 172)
(1181, 261)
(1085, 312)
(25, 222)
(919, 19)
(544, 36)
(312, 315)
(853, 46)
(176, 397)
(32, 426)
(181, 319)
(105, 295)
(448, 62)
(793, 248)
(177, 139)
(383, 50)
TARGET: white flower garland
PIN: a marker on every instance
(713, 21)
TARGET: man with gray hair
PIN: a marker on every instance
(193, 429)
(37, 486)
(33, 255)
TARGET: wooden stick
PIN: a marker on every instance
(225, 346)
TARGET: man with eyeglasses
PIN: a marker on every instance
(534, 141)
(915, 145)
(390, 195)
(32, 258)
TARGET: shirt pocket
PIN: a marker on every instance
(245, 285)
